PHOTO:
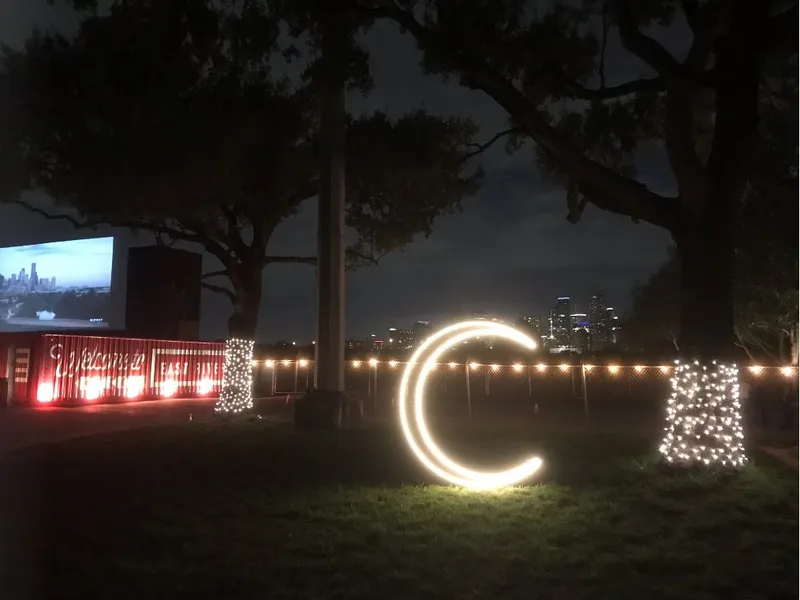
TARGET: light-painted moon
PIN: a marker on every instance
(412, 408)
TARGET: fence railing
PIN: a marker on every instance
(566, 392)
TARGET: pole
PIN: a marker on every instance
(572, 376)
(375, 393)
(469, 396)
(329, 372)
(296, 367)
(585, 395)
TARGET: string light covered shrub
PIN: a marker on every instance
(704, 422)
(236, 395)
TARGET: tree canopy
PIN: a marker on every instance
(592, 82)
(170, 118)
(766, 267)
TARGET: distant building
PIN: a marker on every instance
(399, 339)
(598, 325)
(611, 325)
(580, 336)
(532, 324)
(354, 344)
(420, 332)
(560, 325)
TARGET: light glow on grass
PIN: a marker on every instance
(415, 427)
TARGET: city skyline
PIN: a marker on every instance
(74, 263)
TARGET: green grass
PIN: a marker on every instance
(257, 511)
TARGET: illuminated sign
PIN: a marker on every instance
(413, 422)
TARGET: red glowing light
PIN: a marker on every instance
(134, 387)
(45, 393)
(169, 388)
(93, 388)
(205, 387)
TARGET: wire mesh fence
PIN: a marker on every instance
(629, 397)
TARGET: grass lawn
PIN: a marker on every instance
(253, 510)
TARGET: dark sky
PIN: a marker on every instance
(510, 252)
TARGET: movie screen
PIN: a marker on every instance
(56, 285)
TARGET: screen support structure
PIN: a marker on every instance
(329, 347)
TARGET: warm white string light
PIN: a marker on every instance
(612, 369)
(414, 425)
(236, 395)
(704, 416)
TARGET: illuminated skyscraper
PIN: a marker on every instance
(420, 331)
(560, 324)
(598, 321)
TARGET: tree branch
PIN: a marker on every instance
(304, 260)
(182, 234)
(480, 148)
(218, 289)
(644, 47)
(370, 258)
(74, 221)
(653, 84)
(708, 21)
(212, 274)
(603, 44)
(621, 194)
(782, 29)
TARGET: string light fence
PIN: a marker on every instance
(463, 386)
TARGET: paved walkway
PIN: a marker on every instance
(28, 427)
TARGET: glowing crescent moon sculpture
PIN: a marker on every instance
(413, 422)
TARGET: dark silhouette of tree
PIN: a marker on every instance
(766, 262)
(653, 321)
(557, 73)
(167, 117)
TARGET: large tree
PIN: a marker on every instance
(167, 118)
(700, 102)
(766, 258)
(708, 62)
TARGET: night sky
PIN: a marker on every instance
(510, 252)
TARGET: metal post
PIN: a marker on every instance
(296, 366)
(572, 376)
(272, 382)
(585, 395)
(469, 395)
(375, 393)
(329, 372)
(530, 387)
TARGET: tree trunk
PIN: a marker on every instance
(247, 284)
(703, 413)
(236, 392)
(706, 298)
(711, 210)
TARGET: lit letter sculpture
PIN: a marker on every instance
(412, 419)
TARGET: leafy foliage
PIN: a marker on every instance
(167, 117)
(591, 83)
(767, 263)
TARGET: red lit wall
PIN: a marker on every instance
(78, 369)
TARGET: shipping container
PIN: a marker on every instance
(47, 368)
